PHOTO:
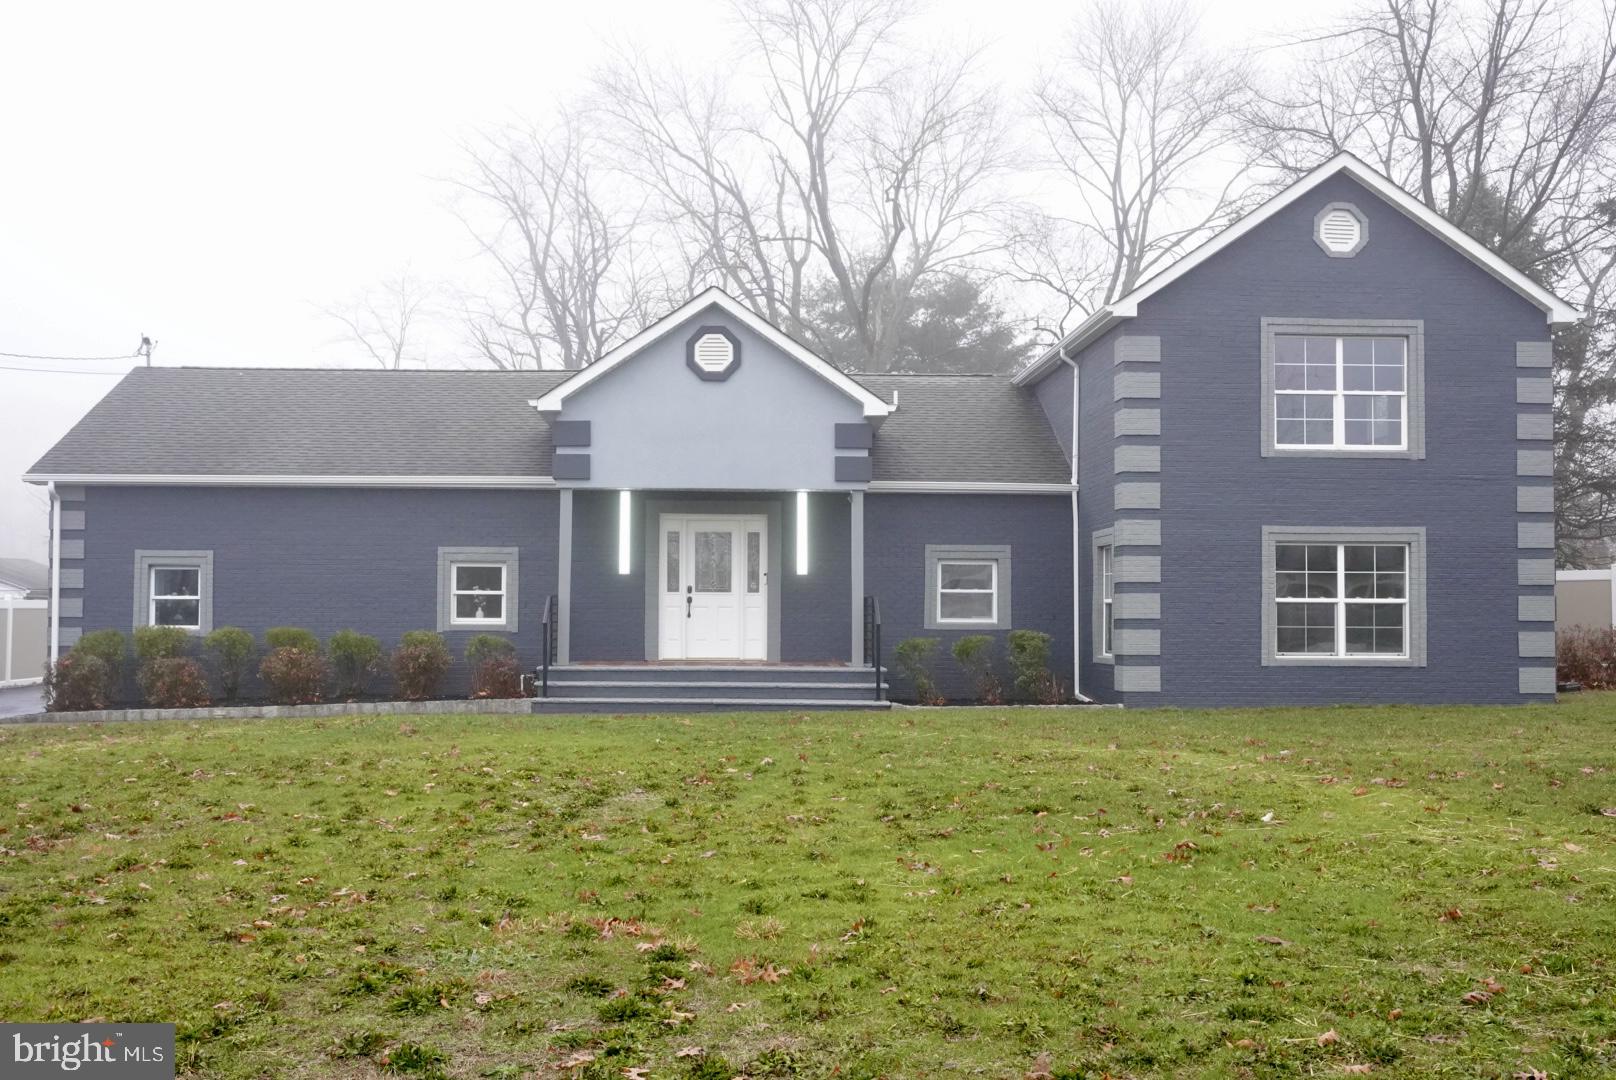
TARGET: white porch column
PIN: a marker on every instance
(563, 627)
(856, 561)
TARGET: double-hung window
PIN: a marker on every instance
(967, 591)
(1343, 387)
(1341, 600)
(176, 597)
(1108, 618)
(1340, 392)
(479, 593)
(1351, 595)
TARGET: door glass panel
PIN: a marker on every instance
(673, 560)
(754, 556)
(713, 555)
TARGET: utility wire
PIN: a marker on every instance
(61, 371)
(35, 356)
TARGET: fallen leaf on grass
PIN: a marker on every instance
(1608, 811)
(1041, 1068)
(637, 1072)
(1477, 997)
(1246, 1044)
(1329, 1038)
(578, 1060)
(1453, 914)
(689, 1051)
(1530, 1074)
(1361, 1069)
(1395, 1014)
(1269, 939)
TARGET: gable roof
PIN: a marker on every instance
(1126, 307)
(874, 407)
(353, 427)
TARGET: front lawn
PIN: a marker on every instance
(1411, 891)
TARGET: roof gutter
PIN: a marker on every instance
(1085, 334)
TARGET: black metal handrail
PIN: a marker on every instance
(872, 641)
(547, 644)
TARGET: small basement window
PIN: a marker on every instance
(967, 587)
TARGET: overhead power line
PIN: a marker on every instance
(36, 356)
(61, 371)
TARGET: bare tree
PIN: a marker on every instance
(1140, 124)
(864, 164)
(558, 229)
(385, 321)
(1585, 405)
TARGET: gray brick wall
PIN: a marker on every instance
(1038, 529)
(326, 559)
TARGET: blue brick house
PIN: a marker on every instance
(1309, 462)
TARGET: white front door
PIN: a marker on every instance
(713, 585)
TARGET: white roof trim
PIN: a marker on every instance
(969, 487)
(874, 407)
(1558, 311)
(289, 480)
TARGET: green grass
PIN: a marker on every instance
(989, 892)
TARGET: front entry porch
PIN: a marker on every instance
(708, 686)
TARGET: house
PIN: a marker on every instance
(1309, 462)
(23, 617)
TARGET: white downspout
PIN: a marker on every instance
(56, 572)
(1077, 545)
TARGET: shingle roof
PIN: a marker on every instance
(33, 578)
(964, 428)
(346, 422)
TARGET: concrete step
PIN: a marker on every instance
(700, 704)
(710, 688)
(665, 674)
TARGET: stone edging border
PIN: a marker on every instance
(484, 707)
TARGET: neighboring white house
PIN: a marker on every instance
(1585, 598)
(24, 618)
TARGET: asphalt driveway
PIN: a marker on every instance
(18, 700)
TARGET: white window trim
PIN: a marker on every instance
(992, 591)
(456, 592)
(1339, 397)
(1415, 628)
(1413, 333)
(1340, 601)
(153, 596)
(1003, 593)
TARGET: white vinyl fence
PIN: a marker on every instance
(1585, 598)
(23, 629)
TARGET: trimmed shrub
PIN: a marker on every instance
(77, 682)
(294, 676)
(975, 655)
(231, 648)
(420, 663)
(355, 657)
(1029, 658)
(1587, 656)
(291, 637)
(112, 649)
(497, 677)
(174, 682)
(487, 647)
(159, 643)
(913, 657)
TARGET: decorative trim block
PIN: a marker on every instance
(1137, 641)
(1137, 605)
(855, 436)
(69, 635)
(570, 467)
(1534, 426)
(1136, 495)
(1137, 679)
(1534, 463)
(70, 492)
(1136, 422)
(1137, 532)
(72, 520)
(1141, 459)
(1534, 534)
(1534, 499)
(570, 432)
(1535, 609)
(1533, 391)
(1137, 349)
(1134, 569)
(72, 549)
(1534, 572)
(1537, 680)
(1136, 384)
(74, 578)
(1536, 643)
(853, 468)
(1534, 354)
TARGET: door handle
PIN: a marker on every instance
(689, 599)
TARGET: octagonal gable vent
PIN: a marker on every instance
(712, 352)
(1340, 230)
